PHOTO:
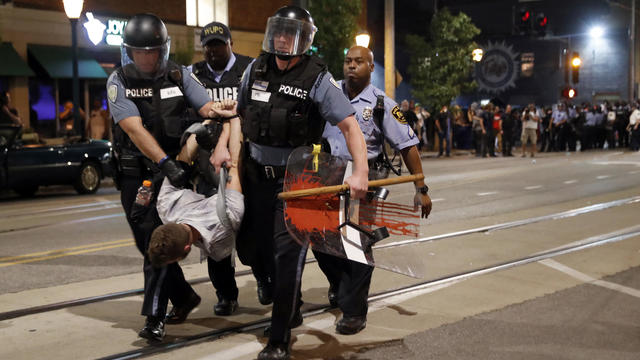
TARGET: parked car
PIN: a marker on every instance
(25, 167)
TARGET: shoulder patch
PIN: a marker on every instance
(398, 115)
(112, 93)
(334, 82)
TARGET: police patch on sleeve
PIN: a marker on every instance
(331, 80)
(397, 113)
(112, 93)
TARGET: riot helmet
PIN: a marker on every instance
(144, 36)
(289, 32)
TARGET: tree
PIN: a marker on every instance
(337, 26)
(440, 69)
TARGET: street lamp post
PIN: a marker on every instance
(73, 8)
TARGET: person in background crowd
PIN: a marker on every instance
(99, 125)
(443, 124)
(8, 115)
(478, 129)
(497, 128)
(610, 131)
(633, 127)
(560, 127)
(620, 125)
(66, 118)
(461, 129)
(545, 130)
(427, 119)
(508, 124)
(489, 136)
(601, 132)
(409, 115)
(530, 121)
(419, 127)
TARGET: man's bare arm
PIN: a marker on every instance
(358, 182)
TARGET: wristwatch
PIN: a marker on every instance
(422, 189)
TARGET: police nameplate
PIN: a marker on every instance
(293, 91)
(260, 85)
(262, 96)
(138, 93)
(170, 92)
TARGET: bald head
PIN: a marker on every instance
(357, 69)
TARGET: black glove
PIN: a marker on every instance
(208, 138)
(176, 175)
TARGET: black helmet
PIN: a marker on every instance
(294, 22)
(145, 32)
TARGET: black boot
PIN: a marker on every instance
(350, 325)
(264, 292)
(153, 329)
(275, 351)
(225, 307)
(178, 314)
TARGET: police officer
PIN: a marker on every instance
(149, 98)
(220, 72)
(351, 279)
(285, 99)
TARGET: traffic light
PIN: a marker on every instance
(541, 24)
(569, 92)
(576, 62)
(524, 24)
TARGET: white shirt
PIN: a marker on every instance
(634, 117)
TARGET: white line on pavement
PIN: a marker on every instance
(573, 181)
(487, 193)
(588, 279)
(600, 177)
(436, 200)
(634, 172)
(534, 187)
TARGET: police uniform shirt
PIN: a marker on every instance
(121, 107)
(326, 94)
(558, 116)
(396, 130)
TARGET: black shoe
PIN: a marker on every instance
(275, 351)
(332, 295)
(178, 314)
(225, 307)
(264, 293)
(350, 325)
(153, 329)
(295, 322)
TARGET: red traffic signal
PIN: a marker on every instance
(525, 15)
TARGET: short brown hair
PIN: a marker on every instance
(167, 244)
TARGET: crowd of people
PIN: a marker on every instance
(489, 129)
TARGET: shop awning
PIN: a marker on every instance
(57, 62)
(12, 63)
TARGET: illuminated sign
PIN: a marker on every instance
(96, 30)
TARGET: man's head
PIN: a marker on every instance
(404, 105)
(145, 43)
(358, 66)
(169, 243)
(289, 32)
(216, 43)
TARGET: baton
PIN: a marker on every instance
(339, 188)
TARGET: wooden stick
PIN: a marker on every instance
(338, 188)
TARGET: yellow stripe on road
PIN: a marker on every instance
(53, 254)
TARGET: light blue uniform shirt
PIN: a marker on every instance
(122, 108)
(325, 94)
(558, 116)
(396, 130)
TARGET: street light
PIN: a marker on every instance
(73, 8)
(477, 54)
(596, 32)
(363, 38)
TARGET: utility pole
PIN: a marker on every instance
(389, 49)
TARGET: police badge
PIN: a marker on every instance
(112, 93)
(367, 113)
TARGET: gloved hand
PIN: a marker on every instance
(176, 175)
(207, 138)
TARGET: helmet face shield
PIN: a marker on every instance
(286, 36)
(148, 60)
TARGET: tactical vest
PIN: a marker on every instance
(227, 88)
(288, 118)
(162, 105)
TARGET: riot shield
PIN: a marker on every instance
(334, 224)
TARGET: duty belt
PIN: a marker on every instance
(257, 171)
